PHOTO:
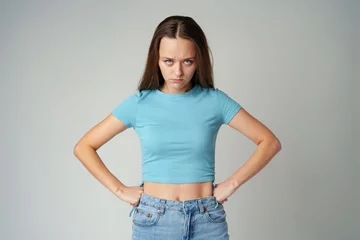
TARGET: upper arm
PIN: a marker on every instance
(252, 128)
(102, 132)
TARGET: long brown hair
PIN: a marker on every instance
(174, 27)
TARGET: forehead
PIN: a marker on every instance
(176, 48)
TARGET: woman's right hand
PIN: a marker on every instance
(132, 195)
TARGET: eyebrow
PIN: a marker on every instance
(173, 58)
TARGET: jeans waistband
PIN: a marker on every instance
(188, 205)
(182, 206)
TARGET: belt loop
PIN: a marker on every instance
(201, 206)
(162, 206)
(132, 210)
(217, 203)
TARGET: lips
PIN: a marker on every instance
(177, 80)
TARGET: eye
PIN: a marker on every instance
(168, 61)
(188, 62)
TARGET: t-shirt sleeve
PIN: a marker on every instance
(126, 111)
(228, 106)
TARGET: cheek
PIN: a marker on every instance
(191, 71)
(164, 70)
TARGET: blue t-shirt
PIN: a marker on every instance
(177, 132)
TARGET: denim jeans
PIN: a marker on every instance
(196, 219)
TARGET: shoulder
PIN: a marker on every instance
(126, 110)
(143, 93)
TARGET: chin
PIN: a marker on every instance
(178, 84)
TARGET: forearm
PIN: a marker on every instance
(262, 155)
(92, 162)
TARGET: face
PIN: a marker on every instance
(177, 64)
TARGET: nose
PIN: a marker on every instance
(178, 70)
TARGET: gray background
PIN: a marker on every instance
(294, 65)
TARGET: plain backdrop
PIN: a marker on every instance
(294, 65)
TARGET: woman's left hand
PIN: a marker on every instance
(223, 191)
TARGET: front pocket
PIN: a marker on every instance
(145, 216)
(216, 215)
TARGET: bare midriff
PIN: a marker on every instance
(179, 192)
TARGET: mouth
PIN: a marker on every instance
(177, 80)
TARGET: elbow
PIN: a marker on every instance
(273, 143)
(277, 145)
(78, 148)
(81, 147)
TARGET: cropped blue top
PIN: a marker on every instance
(177, 132)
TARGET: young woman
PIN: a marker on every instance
(177, 113)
